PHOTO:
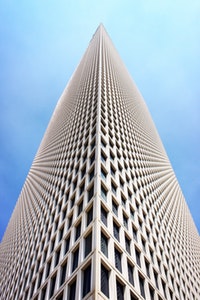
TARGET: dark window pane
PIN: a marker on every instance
(75, 259)
(72, 291)
(52, 286)
(147, 268)
(78, 231)
(120, 291)
(86, 280)
(105, 281)
(89, 215)
(104, 216)
(127, 241)
(104, 244)
(118, 260)
(141, 282)
(88, 244)
(137, 254)
(130, 274)
(103, 193)
(67, 244)
(63, 273)
(116, 231)
(90, 193)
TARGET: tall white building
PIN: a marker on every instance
(101, 214)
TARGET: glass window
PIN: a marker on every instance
(90, 193)
(86, 280)
(120, 291)
(89, 215)
(67, 241)
(88, 244)
(137, 254)
(104, 216)
(75, 259)
(147, 268)
(78, 231)
(118, 264)
(115, 208)
(151, 292)
(103, 193)
(72, 291)
(104, 244)
(130, 273)
(104, 281)
(52, 286)
(63, 273)
(127, 242)
(141, 282)
(134, 230)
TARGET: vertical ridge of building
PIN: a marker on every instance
(101, 214)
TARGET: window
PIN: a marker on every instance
(88, 244)
(57, 256)
(91, 174)
(40, 279)
(151, 254)
(118, 264)
(78, 231)
(151, 292)
(72, 291)
(144, 244)
(48, 268)
(120, 291)
(60, 297)
(103, 157)
(113, 188)
(103, 174)
(125, 221)
(90, 193)
(89, 215)
(63, 273)
(104, 244)
(75, 259)
(147, 268)
(137, 254)
(130, 273)
(43, 293)
(123, 201)
(103, 193)
(104, 281)
(81, 188)
(156, 278)
(112, 171)
(134, 233)
(104, 216)
(80, 207)
(164, 288)
(70, 221)
(133, 297)
(92, 158)
(115, 208)
(52, 286)
(61, 233)
(127, 242)
(86, 280)
(141, 282)
(67, 241)
(52, 245)
(116, 231)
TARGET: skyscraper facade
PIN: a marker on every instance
(101, 214)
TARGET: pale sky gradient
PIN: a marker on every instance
(42, 42)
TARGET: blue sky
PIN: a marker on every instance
(41, 43)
